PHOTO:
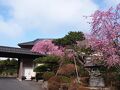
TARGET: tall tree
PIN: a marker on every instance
(105, 35)
(70, 39)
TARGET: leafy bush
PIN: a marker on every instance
(65, 79)
(54, 83)
(8, 67)
(39, 76)
(51, 63)
(48, 75)
(83, 72)
(47, 59)
(67, 69)
(41, 68)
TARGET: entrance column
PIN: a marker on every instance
(20, 73)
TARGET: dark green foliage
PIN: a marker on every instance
(48, 75)
(8, 62)
(111, 76)
(8, 67)
(83, 72)
(42, 68)
(65, 79)
(46, 67)
(105, 69)
(39, 76)
(47, 59)
(50, 63)
(70, 39)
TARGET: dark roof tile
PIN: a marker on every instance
(16, 50)
(31, 43)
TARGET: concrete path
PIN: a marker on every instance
(14, 84)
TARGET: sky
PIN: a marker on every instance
(27, 20)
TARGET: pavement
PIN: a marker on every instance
(14, 84)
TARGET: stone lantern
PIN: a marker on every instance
(96, 79)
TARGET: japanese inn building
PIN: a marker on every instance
(25, 58)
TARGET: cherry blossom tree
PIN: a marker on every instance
(60, 47)
(46, 47)
(105, 35)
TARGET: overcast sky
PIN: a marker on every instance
(26, 20)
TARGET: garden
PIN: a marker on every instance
(83, 62)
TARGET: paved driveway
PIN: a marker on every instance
(13, 84)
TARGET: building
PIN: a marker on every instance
(28, 64)
(25, 57)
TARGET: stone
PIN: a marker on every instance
(96, 79)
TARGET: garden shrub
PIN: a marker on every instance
(73, 85)
(67, 69)
(39, 76)
(47, 59)
(41, 68)
(54, 83)
(50, 63)
(48, 75)
(65, 79)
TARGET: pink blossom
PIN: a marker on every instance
(46, 47)
(105, 33)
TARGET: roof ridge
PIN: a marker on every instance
(31, 43)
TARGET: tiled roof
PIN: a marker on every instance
(31, 43)
(5, 49)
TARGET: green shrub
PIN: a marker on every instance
(39, 76)
(48, 59)
(65, 79)
(48, 75)
(41, 68)
(54, 83)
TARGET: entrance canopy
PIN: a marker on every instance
(17, 52)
